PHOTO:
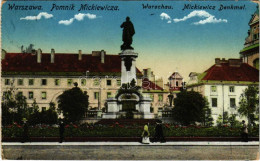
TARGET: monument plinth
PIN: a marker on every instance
(128, 66)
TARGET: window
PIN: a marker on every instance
(83, 82)
(31, 82)
(231, 89)
(20, 82)
(96, 95)
(256, 36)
(96, 82)
(256, 63)
(44, 95)
(109, 82)
(69, 82)
(57, 82)
(7, 81)
(118, 82)
(213, 88)
(20, 93)
(109, 95)
(177, 84)
(44, 82)
(232, 102)
(43, 108)
(160, 97)
(152, 96)
(214, 102)
(30, 95)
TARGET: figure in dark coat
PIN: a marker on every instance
(244, 133)
(61, 131)
(159, 133)
(25, 132)
(128, 33)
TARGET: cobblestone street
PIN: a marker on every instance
(131, 152)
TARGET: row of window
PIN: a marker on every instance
(20, 82)
(214, 102)
(31, 95)
(231, 89)
(96, 95)
(44, 95)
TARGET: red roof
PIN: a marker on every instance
(225, 72)
(25, 62)
(148, 85)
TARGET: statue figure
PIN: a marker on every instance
(128, 32)
(170, 96)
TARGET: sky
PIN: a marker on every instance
(167, 40)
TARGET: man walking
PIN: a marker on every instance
(244, 134)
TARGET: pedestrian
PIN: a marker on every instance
(25, 131)
(61, 131)
(244, 133)
(159, 133)
(145, 135)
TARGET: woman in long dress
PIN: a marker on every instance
(145, 135)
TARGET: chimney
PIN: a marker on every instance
(102, 55)
(3, 54)
(80, 55)
(235, 62)
(39, 56)
(52, 55)
(217, 61)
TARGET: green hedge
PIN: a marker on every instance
(127, 131)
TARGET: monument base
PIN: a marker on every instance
(142, 109)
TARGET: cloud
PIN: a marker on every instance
(165, 16)
(66, 22)
(38, 17)
(78, 17)
(203, 14)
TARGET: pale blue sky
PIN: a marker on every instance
(162, 46)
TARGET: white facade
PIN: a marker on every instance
(224, 98)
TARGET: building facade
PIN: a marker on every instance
(223, 83)
(250, 52)
(44, 76)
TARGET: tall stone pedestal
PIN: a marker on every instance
(128, 66)
(141, 104)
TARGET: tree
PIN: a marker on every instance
(233, 121)
(14, 106)
(73, 103)
(35, 115)
(223, 120)
(248, 105)
(207, 119)
(189, 107)
(51, 114)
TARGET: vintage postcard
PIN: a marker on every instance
(129, 80)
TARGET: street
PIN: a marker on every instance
(132, 151)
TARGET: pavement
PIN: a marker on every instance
(131, 151)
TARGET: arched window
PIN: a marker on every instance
(256, 63)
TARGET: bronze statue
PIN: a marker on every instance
(128, 33)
